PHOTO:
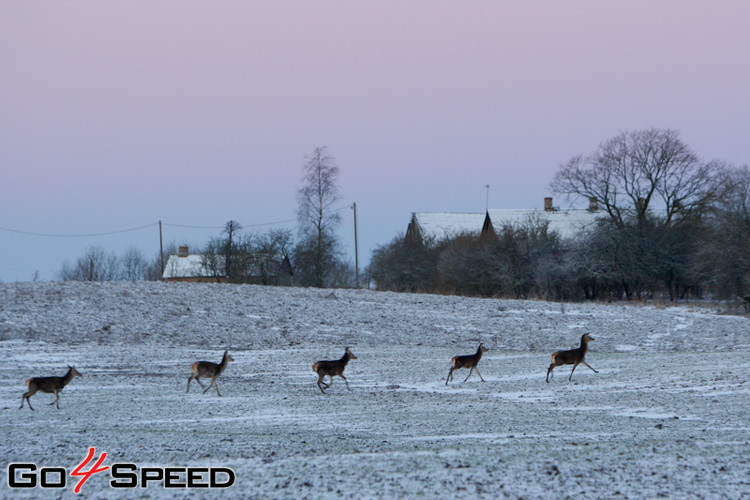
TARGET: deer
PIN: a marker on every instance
(48, 384)
(332, 368)
(571, 357)
(469, 361)
(208, 369)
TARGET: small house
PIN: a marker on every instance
(190, 267)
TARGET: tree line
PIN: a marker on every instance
(674, 227)
(315, 258)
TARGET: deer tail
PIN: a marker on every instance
(315, 367)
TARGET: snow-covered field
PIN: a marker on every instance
(668, 414)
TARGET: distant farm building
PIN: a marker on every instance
(262, 269)
(189, 267)
(441, 225)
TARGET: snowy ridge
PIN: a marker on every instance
(249, 316)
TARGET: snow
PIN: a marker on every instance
(666, 416)
(567, 223)
(185, 267)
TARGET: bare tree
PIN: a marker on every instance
(406, 264)
(230, 228)
(133, 265)
(317, 252)
(641, 170)
(254, 258)
(272, 257)
(96, 264)
(213, 257)
(723, 258)
(736, 199)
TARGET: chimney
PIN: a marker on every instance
(593, 205)
(183, 251)
(548, 204)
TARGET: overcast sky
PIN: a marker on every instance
(115, 115)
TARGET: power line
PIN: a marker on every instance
(86, 235)
(271, 223)
(222, 227)
(187, 226)
(146, 226)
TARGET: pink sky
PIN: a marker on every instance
(119, 114)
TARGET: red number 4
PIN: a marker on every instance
(85, 474)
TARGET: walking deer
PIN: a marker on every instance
(469, 361)
(571, 357)
(48, 384)
(331, 368)
(208, 369)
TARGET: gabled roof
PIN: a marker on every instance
(190, 266)
(441, 225)
(567, 223)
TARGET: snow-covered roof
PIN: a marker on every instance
(440, 225)
(566, 223)
(190, 266)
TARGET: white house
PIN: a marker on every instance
(188, 267)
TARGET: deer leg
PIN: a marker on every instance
(347, 382)
(320, 386)
(480, 375)
(450, 376)
(216, 386)
(571, 372)
(589, 366)
(197, 379)
(469, 375)
(213, 381)
(57, 400)
(26, 396)
(190, 379)
(549, 372)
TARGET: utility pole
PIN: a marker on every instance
(356, 247)
(487, 201)
(161, 250)
(230, 229)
